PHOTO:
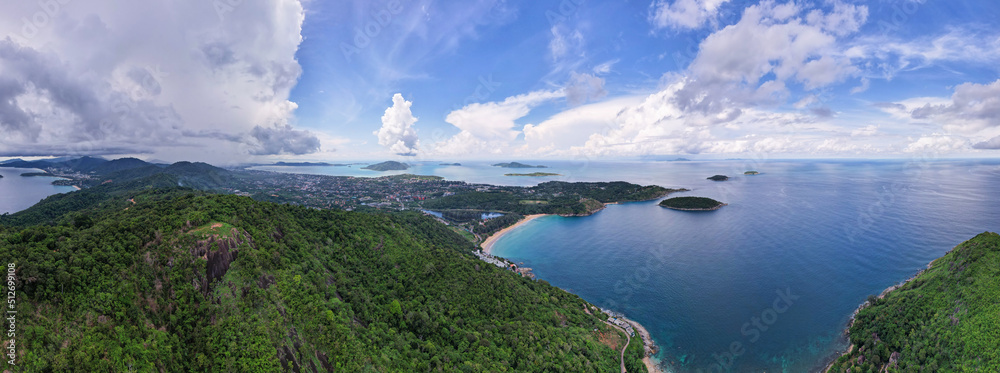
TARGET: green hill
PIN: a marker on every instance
(387, 166)
(943, 320)
(175, 280)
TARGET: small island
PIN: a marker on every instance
(32, 174)
(387, 166)
(719, 178)
(517, 165)
(450, 164)
(534, 174)
(751, 173)
(692, 204)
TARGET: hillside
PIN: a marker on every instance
(943, 320)
(177, 280)
(387, 166)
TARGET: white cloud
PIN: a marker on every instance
(496, 120)
(937, 144)
(109, 76)
(397, 133)
(584, 87)
(971, 108)
(684, 14)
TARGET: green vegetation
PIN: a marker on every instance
(157, 286)
(943, 320)
(751, 173)
(387, 166)
(534, 174)
(719, 178)
(553, 197)
(516, 165)
(692, 203)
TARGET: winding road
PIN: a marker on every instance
(628, 340)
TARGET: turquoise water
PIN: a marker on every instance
(18, 193)
(821, 236)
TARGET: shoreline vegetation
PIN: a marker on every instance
(947, 306)
(648, 345)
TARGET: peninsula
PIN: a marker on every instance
(692, 204)
(387, 166)
(517, 165)
(944, 319)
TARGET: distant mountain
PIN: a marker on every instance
(387, 166)
(517, 165)
(118, 165)
(83, 164)
(12, 160)
(195, 175)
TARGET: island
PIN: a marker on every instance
(534, 174)
(32, 174)
(450, 164)
(719, 178)
(692, 204)
(943, 319)
(387, 166)
(751, 173)
(517, 165)
(306, 164)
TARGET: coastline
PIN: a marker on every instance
(865, 304)
(487, 244)
(652, 365)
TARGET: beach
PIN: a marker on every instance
(488, 243)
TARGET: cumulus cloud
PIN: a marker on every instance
(772, 45)
(397, 133)
(684, 14)
(88, 79)
(491, 125)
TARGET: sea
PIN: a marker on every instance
(767, 283)
(19, 192)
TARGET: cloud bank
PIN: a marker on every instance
(207, 82)
(397, 133)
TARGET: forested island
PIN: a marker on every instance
(387, 166)
(517, 165)
(144, 275)
(719, 178)
(534, 174)
(692, 204)
(945, 319)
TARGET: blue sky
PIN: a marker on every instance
(443, 56)
(422, 79)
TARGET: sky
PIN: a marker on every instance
(230, 81)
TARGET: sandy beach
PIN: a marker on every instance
(488, 243)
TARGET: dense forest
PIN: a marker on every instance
(554, 197)
(161, 278)
(943, 320)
